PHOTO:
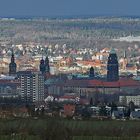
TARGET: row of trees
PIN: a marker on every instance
(41, 30)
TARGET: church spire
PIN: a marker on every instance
(12, 57)
(42, 65)
(47, 66)
(91, 72)
(12, 65)
(124, 54)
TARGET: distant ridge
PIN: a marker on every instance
(71, 17)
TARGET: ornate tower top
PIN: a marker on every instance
(42, 66)
(12, 65)
(42, 61)
(47, 60)
(124, 54)
(12, 57)
(91, 73)
(112, 51)
(47, 66)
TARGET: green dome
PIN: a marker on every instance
(112, 51)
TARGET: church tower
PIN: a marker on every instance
(112, 67)
(91, 72)
(124, 60)
(47, 66)
(12, 65)
(42, 66)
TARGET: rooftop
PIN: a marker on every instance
(7, 77)
(99, 83)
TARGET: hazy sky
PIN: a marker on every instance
(68, 7)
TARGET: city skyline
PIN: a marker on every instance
(69, 69)
(50, 8)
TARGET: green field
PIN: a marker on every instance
(60, 129)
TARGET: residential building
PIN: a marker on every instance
(135, 115)
(127, 99)
(9, 88)
(117, 115)
(32, 86)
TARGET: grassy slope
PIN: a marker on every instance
(43, 129)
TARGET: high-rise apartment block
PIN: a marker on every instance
(32, 86)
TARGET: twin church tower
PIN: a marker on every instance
(44, 66)
(112, 66)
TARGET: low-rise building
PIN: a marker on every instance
(69, 110)
(91, 86)
(135, 115)
(117, 114)
(9, 88)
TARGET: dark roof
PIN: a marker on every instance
(9, 83)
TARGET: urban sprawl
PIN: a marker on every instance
(61, 80)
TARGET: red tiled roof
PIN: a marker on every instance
(67, 97)
(92, 63)
(99, 83)
(84, 101)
